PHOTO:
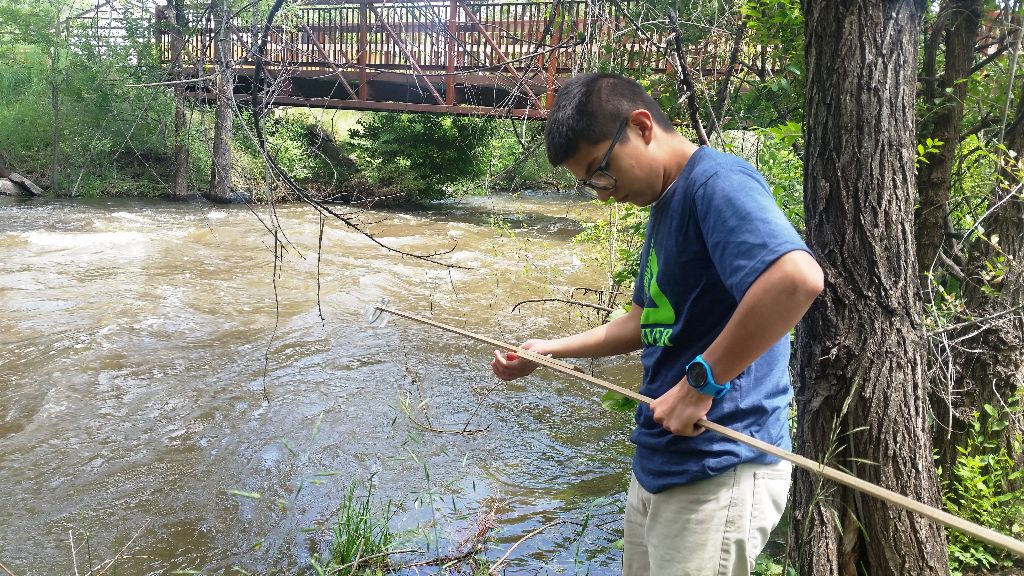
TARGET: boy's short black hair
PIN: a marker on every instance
(589, 108)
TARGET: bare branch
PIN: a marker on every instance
(977, 321)
(566, 300)
(497, 565)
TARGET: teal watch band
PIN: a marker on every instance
(698, 374)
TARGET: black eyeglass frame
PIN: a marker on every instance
(601, 168)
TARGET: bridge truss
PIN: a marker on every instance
(501, 58)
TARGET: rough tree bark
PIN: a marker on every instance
(220, 179)
(993, 359)
(942, 122)
(181, 155)
(734, 56)
(55, 81)
(862, 388)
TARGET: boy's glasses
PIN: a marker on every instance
(600, 180)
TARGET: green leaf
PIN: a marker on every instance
(244, 494)
(617, 313)
(616, 402)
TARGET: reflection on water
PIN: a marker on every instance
(134, 337)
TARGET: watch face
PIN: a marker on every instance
(697, 374)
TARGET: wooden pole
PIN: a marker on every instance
(939, 516)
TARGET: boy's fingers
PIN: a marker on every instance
(506, 357)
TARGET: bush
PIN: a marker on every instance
(515, 168)
(112, 138)
(987, 487)
(423, 153)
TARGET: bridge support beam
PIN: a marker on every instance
(521, 80)
(337, 71)
(408, 55)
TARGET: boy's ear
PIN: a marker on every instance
(643, 121)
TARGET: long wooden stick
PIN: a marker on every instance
(940, 516)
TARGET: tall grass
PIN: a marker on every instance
(362, 536)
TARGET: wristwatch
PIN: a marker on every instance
(698, 374)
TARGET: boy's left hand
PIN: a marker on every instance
(679, 409)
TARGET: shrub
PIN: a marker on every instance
(987, 487)
(427, 154)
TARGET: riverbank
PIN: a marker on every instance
(95, 135)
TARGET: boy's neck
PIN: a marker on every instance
(678, 151)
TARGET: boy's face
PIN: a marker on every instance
(619, 168)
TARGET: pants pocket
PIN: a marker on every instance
(771, 491)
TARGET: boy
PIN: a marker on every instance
(723, 279)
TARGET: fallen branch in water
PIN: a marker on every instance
(493, 571)
(567, 301)
(358, 561)
(471, 546)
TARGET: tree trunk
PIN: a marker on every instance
(993, 359)
(55, 106)
(220, 179)
(942, 122)
(181, 152)
(723, 85)
(862, 388)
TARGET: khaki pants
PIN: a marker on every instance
(715, 527)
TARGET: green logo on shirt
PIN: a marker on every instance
(662, 314)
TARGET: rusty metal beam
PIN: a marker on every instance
(361, 56)
(449, 83)
(504, 59)
(408, 55)
(327, 59)
(556, 38)
(372, 106)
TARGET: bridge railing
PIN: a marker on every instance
(441, 35)
(450, 51)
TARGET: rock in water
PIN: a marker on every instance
(26, 184)
(8, 188)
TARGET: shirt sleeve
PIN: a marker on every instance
(638, 294)
(743, 227)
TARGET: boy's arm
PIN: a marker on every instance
(772, 305)
(619, 336)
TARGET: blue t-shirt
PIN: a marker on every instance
(710, 235)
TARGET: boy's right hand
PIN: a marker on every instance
(509, 365)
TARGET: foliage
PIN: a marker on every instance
(772, 85)
(615, 402)
(111, 136)
(424, 153)
(516, 168)
(623, 233)
(783, 169)
(987, 487)
(300, 143)
(924, 149)
(360, 533)
(765, 566)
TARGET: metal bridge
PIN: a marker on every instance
(448, 56)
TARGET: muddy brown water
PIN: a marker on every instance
(136, 338)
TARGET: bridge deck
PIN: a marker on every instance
(448, 56)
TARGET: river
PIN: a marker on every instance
(137, 337)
